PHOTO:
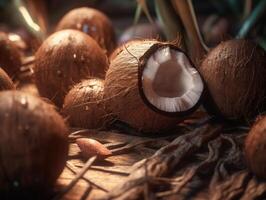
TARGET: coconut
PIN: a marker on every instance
(83, 105)
(29, 88)
(94, 23)
(64, 59)
(255, 148)
(148, 78)
(235, 72)
(33, 143)
(5, 81)
(10, 59)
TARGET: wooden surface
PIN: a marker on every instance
(119, 166)
(198, 160)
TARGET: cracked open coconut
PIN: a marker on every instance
(148, 81)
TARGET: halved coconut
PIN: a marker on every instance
(168, 80)
(147, 76)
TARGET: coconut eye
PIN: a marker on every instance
(169, 81)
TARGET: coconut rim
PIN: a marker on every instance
(142, 64)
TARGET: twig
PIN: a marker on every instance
(130, 146)
(76, 179)
(71, 168)
(110, 171)
(163, 162)
(247, 8)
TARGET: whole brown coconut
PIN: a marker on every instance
(33, 143)
(235, 72)
(128, 87)
(255, 148)
(83, 105)
(94, 23)
(5, 81)
(64, 59)
(10, 59)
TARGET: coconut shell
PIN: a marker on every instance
(235, 72)
(64, 59)
(255, 148)
(5, 81)
(83, 105)
(94, 23)
(10, 59)
(33, 143)
(121, 91)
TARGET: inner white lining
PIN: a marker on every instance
(169, 81)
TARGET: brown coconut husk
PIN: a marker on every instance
(64, 59)
(5, 81)
(94, 23)
(255, 148)
(83, 105)
(235, 72)
(121, 89)
(33, 144)
(10, 58)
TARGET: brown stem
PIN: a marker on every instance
(76, 179)
(185, 10)
(163, 162)
(72, 169)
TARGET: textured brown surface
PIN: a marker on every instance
(200, 163)
(255, 148)
(235, 73)
(33, 143)
(121, 92)
(94, 23)
(5, 81)
(65, 58)
(83, 105)
(10, 59)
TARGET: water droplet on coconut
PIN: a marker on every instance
(79, 25)
(59, 73)
(24, 102)
(74, 55)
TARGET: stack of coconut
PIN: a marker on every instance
(149, 84)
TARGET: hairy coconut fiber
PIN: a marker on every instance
(64, 59)
(33, 144)
(121, 92)
(234, 73)
(83, 105)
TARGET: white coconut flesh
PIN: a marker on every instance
(170, 82)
